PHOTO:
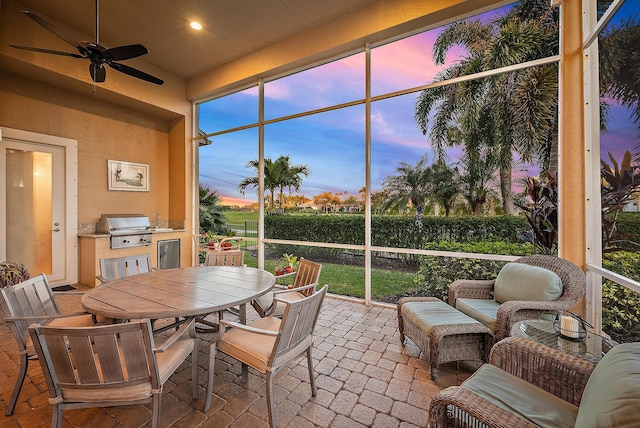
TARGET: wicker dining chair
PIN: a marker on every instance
(29, 302)
(110, 365)
(268, 344)
(305, 281)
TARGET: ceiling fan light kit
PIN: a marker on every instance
(97, 54)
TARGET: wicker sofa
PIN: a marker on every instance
(526, 288)
(528, 384)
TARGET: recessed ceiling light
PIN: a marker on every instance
(196, 25)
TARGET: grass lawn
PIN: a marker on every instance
(349, 280)
(239, 217)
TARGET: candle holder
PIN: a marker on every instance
(570, 326)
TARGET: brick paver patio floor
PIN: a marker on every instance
(365, 378)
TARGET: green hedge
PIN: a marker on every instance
(393, 231)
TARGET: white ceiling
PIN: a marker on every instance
(232, 28)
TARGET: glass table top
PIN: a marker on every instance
(591, 348)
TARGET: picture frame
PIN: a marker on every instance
(128, 176)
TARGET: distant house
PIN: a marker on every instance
(632, 206)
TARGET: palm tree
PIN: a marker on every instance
(270, 182)
(409, 187)
(446, 184)
(500, 114)
(278, 174)
(620, 68)
(289, 176)
(211, 211)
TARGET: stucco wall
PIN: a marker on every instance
(103, 131)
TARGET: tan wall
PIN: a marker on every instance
(107, 131)
(103, 131)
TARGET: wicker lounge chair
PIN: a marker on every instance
(479, 298)
(528, 384)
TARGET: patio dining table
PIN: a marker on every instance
(177, 293)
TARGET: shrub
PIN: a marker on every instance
(437, 272)
(620, 305)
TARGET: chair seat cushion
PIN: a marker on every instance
(251, 348)
(264, 302)
(611, 397)
(291, 296)
(519, 281)
(521, 398)
(426, 315)
(483, 310)
(171, 358)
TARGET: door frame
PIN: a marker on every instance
(70, 148)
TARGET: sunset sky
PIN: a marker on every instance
(332, 144)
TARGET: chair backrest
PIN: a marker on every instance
(224, 258)
(31, 298)
(120, 267)
(308, 273)
(573, 279)
(99, 364)
(296, 328)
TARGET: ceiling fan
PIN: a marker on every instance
(96, 53)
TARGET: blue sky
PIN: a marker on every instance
(332, 144)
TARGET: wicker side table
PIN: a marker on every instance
(442, 332)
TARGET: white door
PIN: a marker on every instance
(34, 205)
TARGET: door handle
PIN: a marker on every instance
(56, 229)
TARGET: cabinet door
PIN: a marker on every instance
(169, 254)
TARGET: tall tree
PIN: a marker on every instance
(445, 184)
(501, 114)
(288, 176)
(620, 69)
(278, 174)
(270, 182)
(410, 187)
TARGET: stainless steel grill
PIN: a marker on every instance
(126, 230)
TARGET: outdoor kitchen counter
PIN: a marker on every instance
(94, 246)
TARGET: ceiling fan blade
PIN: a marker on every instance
(125, 52)
(47, 51)
(98, 72)
(64, 36)
(135, 73)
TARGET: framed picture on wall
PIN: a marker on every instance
(128, 176)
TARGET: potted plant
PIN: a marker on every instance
(226, 245)
(279, 270)
(291, 262)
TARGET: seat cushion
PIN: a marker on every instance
(426, 315)
(521, 398)
(251, 348)
(611, 397)
(173, 357)
(290, 296)
(519, 281)
(263, 303)
(483, 310)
